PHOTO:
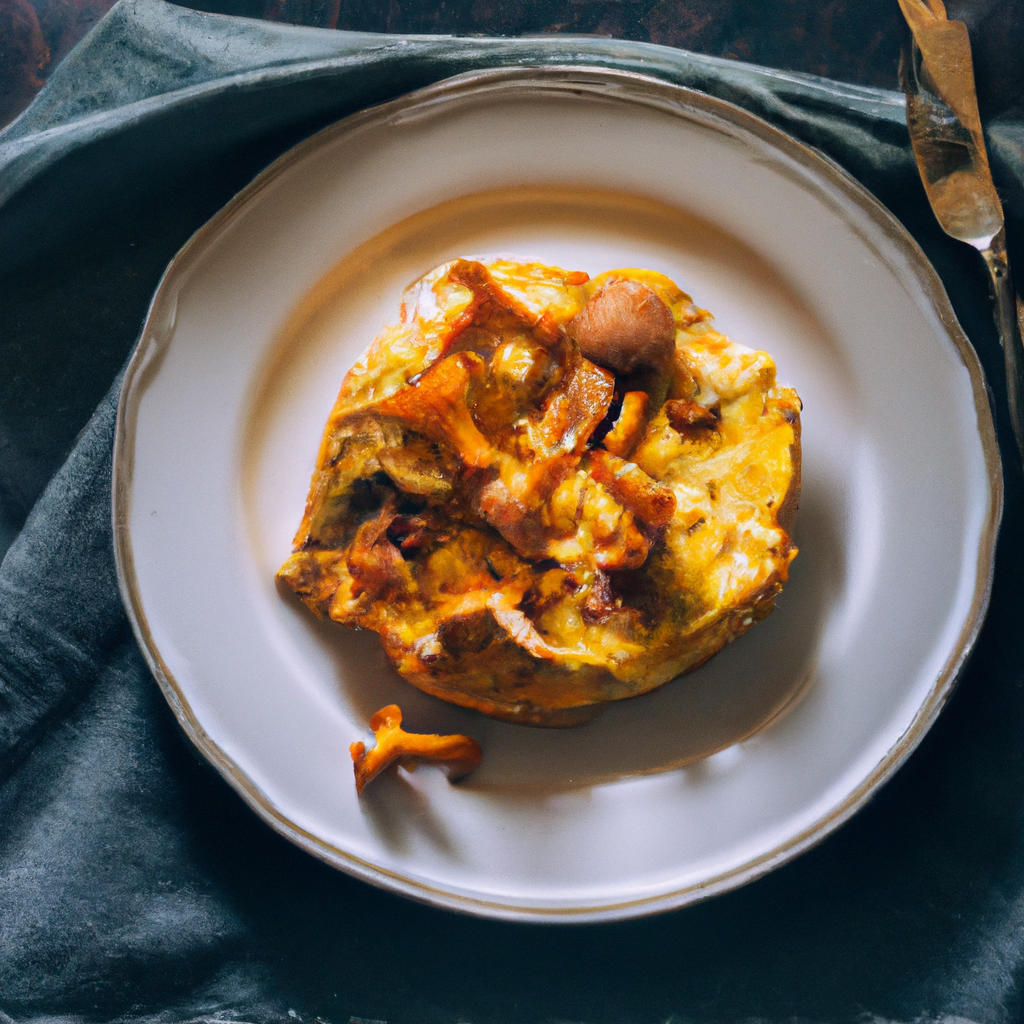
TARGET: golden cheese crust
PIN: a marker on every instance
(546, 492)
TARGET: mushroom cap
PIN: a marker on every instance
(624, 327)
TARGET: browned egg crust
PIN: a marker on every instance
(546, 491)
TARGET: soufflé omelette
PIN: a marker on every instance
(547, 491)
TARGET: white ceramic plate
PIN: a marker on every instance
(265, 309)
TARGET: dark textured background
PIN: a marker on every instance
(850, 40)
(135, 886)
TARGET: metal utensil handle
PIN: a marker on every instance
(1009, 316)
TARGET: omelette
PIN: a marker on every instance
(546, 491)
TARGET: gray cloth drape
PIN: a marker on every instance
(135, 886)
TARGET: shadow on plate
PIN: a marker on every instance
(739, 692)
(399, 812)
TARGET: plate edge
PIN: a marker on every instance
(680, 101)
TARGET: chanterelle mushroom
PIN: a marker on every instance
(459, 754)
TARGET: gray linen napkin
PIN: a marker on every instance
(134, 885)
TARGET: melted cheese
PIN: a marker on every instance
(466, 507)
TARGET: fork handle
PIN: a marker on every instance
(1010, 321)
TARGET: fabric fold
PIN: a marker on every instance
(60, 609)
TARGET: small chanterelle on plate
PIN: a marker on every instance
(547, 491)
